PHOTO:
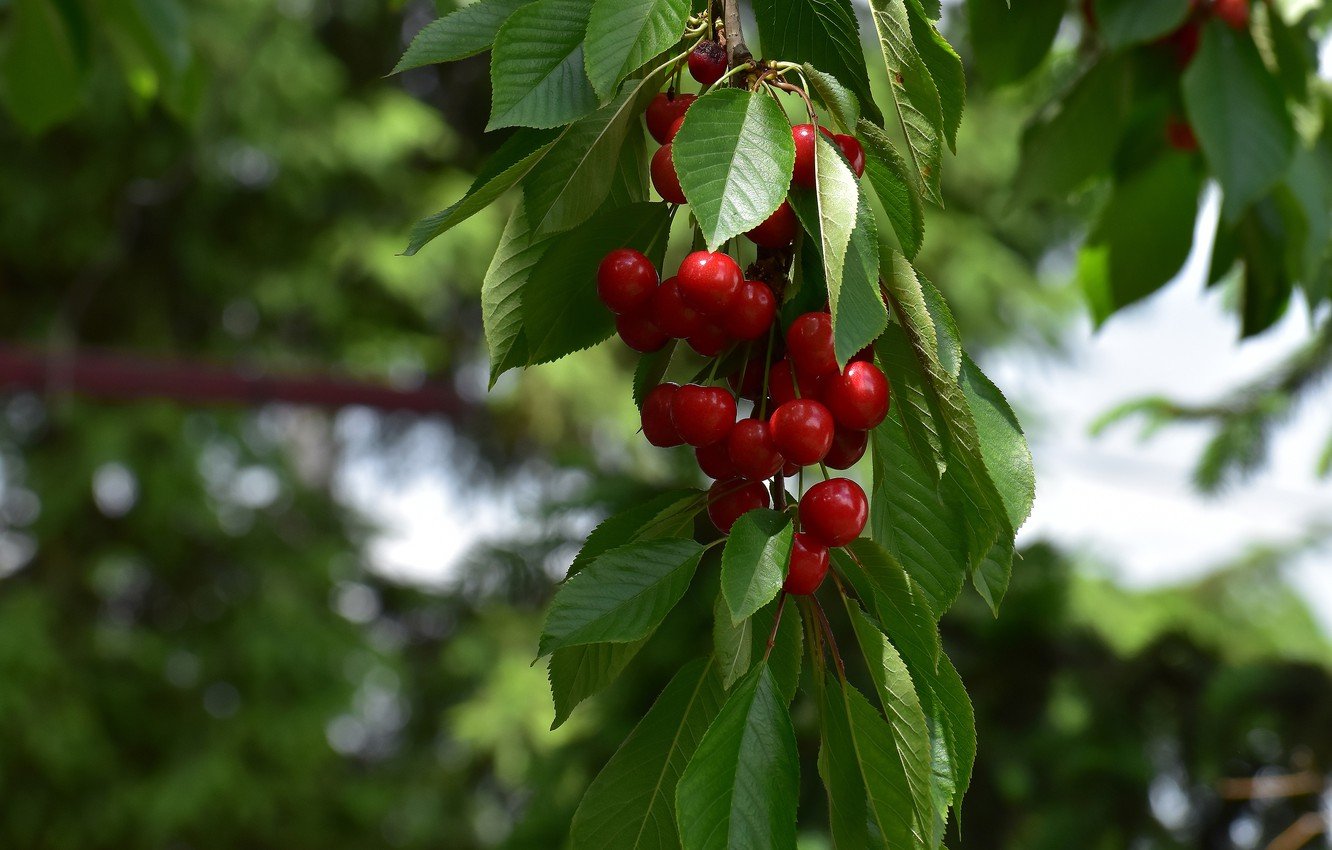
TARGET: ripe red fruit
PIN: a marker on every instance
(854, 153)
(1179, 135)
(674, 129)
(802, 430)
(859, 397)
(778, 230)
(732, 498)
(664, 178)
(834, 511)
(866, 354)
(640, 333)
(709, 340)
(709, 281)
(847, 447)
(670, 313)
(806, 139)
(809, 344)
(707, 62)
(702, 415)
(656, 416)
(752, 451)
(789, 469)
(1183, 43)
(782, 384)
(751, 311)
(662, 112)
(808, 565)
(1234, 12)
(625, 280)
(715, 461)
(748, 382)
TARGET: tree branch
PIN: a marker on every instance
(737, 53)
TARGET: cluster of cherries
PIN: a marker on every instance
(820, 413)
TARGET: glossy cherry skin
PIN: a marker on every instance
(640, 333)
(732, 498)
(674, 130)
(808, 565)
(751, 311)
(625, 280)
(848, 447)
(778, 230)
(752, 451)
(782, 384)
(664, 178)
(1234, 12)
(806, 139)
(789, 469)
(707, 62)
(834, 511)
(670, 313)
(658, 426)
(859, 397)
(809, 344)
(702, 415)
(802, 430)
(662, 112)
(854, 153)
(866, 354)
(709, 281)
(748, 382)
(709, 340)
(715, 461)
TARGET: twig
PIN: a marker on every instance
(1300, 833)
(1273, 787)
(737, 53)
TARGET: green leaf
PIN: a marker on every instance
(561, 312)
(945, 67)
(1271, 231)
(841, 102)
(1010, 42)
(1296, 54)
(1122, 23)
(1075, 138)
(536, 69)
(578, 672)
(991, 578)
(668, 515)
(622, 595)
(650, 370)
(953, 726)
(741, 787)
(892, 184)
(912, 398)
(1238, 112)
(788, 649)
(734, 154)
(623, 35)
(501, 294)
(829, 211)
(917, 107)
(459, 34)
(893, 598)
(1002, 443)
(733, 643)
(576, 175)
(754, 561)
(631, 803)
(858, 311)
(41, 81)
(515, 158)
(823, 33)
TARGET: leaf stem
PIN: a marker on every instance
(776, 621)
(832, 641)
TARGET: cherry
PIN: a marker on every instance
(847, 447)
(1183, 43)
(1179, 135)
(778, 230)
(657, 424)
(664, 178)
(865, 355)
(806, 139)
(732, 498)
(662, 112)
(709, 339)
(709, 281)
(671, 313)
(707, 62)
(640, 333)
(748, 382)
(859, 397)
(702, 415)
(1235, 13)
(674, 130)
(854, 153)
(715, 461)
(809, 344)
(782, 384)
(626, 279)
(752, 451)
(834, 511)
(751, 311)
(802, 430)
(790, 469)
(808, 565)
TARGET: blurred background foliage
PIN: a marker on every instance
(197, 647)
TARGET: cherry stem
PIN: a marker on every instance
(824, 470)
(776, 621)
(832, 641)
(809, 104)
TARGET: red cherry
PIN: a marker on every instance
(1183, 42)
(709, 281)
(702, 415)
(715, 461)
(834, 511)
(778, 230)
(670, 313)
(854, 153)
(805, 140)
(748, 382)
(752, 450)
(657, 424)
(625, 280)
(709, 340)
(847, 447)
(1234, 12)
(751, 311)
(808, 565)
(789, 469)
(809, 344)
(640, 333)
(802, 430)
(707, 62)
(662, 112)
(865, 354)
(732, 498)
(859, 397)
(674, 129)
(1179, 135)
(782, 384)
(664, 178)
